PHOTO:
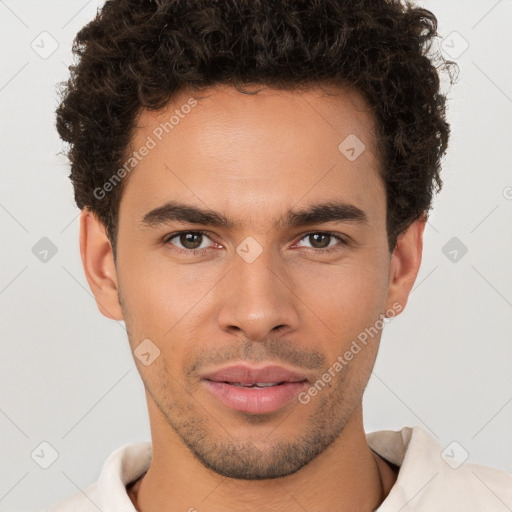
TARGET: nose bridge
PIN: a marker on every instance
(256, 299)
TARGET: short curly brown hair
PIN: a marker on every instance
(139, 53)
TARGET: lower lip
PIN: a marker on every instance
(255, 400)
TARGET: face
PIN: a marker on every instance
(247, 238)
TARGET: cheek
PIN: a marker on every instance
(344, 303)
(166, 300)
(163, 297)
(350, 292)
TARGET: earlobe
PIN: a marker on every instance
(405, 264)
(99, 266)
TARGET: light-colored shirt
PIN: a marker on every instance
(429, 479)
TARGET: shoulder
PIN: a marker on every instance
(122, 467)
(433, 478)
(470, 487)
(477, 486)
(81, 502)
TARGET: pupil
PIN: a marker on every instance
(187, 240)
(315, 237)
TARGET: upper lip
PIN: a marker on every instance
(245, 374)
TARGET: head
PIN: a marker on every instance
(303, 141)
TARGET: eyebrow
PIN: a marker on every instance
(332, 211)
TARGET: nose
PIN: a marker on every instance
(257, 300)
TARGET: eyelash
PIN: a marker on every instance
(195, 252)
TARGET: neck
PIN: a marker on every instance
(346, 476)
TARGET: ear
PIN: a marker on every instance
(99, 266)
(405, 263)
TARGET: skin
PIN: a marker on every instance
(253, 158)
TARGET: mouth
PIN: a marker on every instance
(255, 390)
(256, 384)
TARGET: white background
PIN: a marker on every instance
(67, 374)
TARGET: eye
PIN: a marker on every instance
(190, 241)
(321, 241)
(194, 242)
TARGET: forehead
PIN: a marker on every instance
(256, 156)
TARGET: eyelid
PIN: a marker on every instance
(167, 238)
(342, 241)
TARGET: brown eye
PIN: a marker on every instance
(187, 241)
(319, 240)
(323, 241)
(191, 240)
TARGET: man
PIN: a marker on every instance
(255, 179)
